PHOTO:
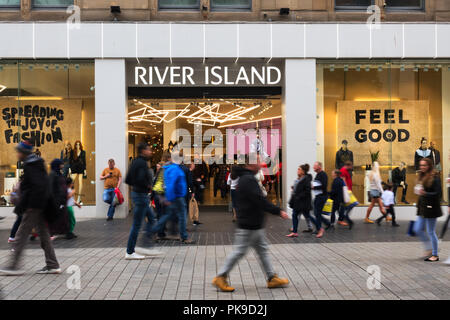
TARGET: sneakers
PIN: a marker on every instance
(395, 224)
(343, 223)
(47, 270)
(134, 256)
(221, 283)
(367, 220)
(292, 235)
(11, 272)
(148, 252)
(447, 261)
(276, 282)
(196, 223)
(109, 219)
(11, 240)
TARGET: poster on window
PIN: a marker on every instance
(392, 127)
(45, 123)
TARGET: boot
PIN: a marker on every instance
(221, 283)
(276, 282)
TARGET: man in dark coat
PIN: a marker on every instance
(33, 204)
(343, 155)
(251, 205)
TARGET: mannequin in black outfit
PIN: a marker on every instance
(78, 168)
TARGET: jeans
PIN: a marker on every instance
(160, 211)
(108, 197)
(141, 210)
(243, 240)
(430, 241)
(319, 202)
(345, 212)
(296, 219)
(177, 208)
(336, 207)
(15, 226)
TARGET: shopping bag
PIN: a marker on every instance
(119, 196)
(193, 210)
(411, 232)
(345, 194)
(328, 207)
(352, 200)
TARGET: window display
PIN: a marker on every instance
(389, 112)
(51, 104)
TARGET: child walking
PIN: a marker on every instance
(388, 199)
(70, 203)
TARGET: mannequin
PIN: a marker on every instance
(422, 152)
(343, 155)
(399, 180)
(77, 169)
(65, 157)
(435, 156)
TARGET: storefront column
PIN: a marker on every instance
(445, 153)
(111, 127)
(299, 119)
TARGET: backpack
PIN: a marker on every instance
(158, 186)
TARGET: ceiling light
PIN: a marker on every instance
(30, 67)
(367, 69)
(56, 67)
(1, 68)
(46, 67)
(358, 68)
(66, 67)
(416, 69)
(346, 68)
(31, 98)
(2, 87)
(380, 68)
(402, 67)
(332, 67)
(425, 68)
(77, 67)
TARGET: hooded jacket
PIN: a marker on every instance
(250, 201)
(34, 185)
(174, 182)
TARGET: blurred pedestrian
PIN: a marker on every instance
(300, 201)
(58, 191)
(428, 188)
(375, 191)
(319, 186)
(388, 198)
(251, 205)
(232, 181)
(33, 206)
(337, 195)
(70, 203)
(140, 180)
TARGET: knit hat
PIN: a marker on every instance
(25, 147)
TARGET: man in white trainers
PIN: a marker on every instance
(139, 177)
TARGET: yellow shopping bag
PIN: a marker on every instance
(327, 207)
(353, 199)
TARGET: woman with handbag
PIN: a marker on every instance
(429, 190)
(337, 195)
(375, 191)
(300, 201)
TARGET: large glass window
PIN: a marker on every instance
(405, 4)
(390, 112)
(231, 5)
(52, 3)
(50, 103)
(9, 3)
(179, 4)
(353, 4)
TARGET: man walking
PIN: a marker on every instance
(113, 179)
(175, 197)
(319, 187)
(251, 205)
(32, 207)
(139, 178)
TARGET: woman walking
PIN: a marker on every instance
(375, 191)
(232, 181)
(428, 188)
(300, 199)
(337, 195)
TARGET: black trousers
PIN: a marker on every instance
(405, 188)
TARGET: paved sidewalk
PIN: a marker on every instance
(330, 268)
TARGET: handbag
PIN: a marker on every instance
(328, 207)
(193, 209)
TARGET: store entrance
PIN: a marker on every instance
(216, 128)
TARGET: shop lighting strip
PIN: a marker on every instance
(240, 123)
(2, 87)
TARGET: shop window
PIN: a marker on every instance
(405, 4)
(52, 3)
(51, 104)
(392, 112)
(231, 5)
(9, 3)
(353, 4)
(179, 4)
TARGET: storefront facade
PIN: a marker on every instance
(381, 88)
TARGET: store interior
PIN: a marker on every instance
(156, 121)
